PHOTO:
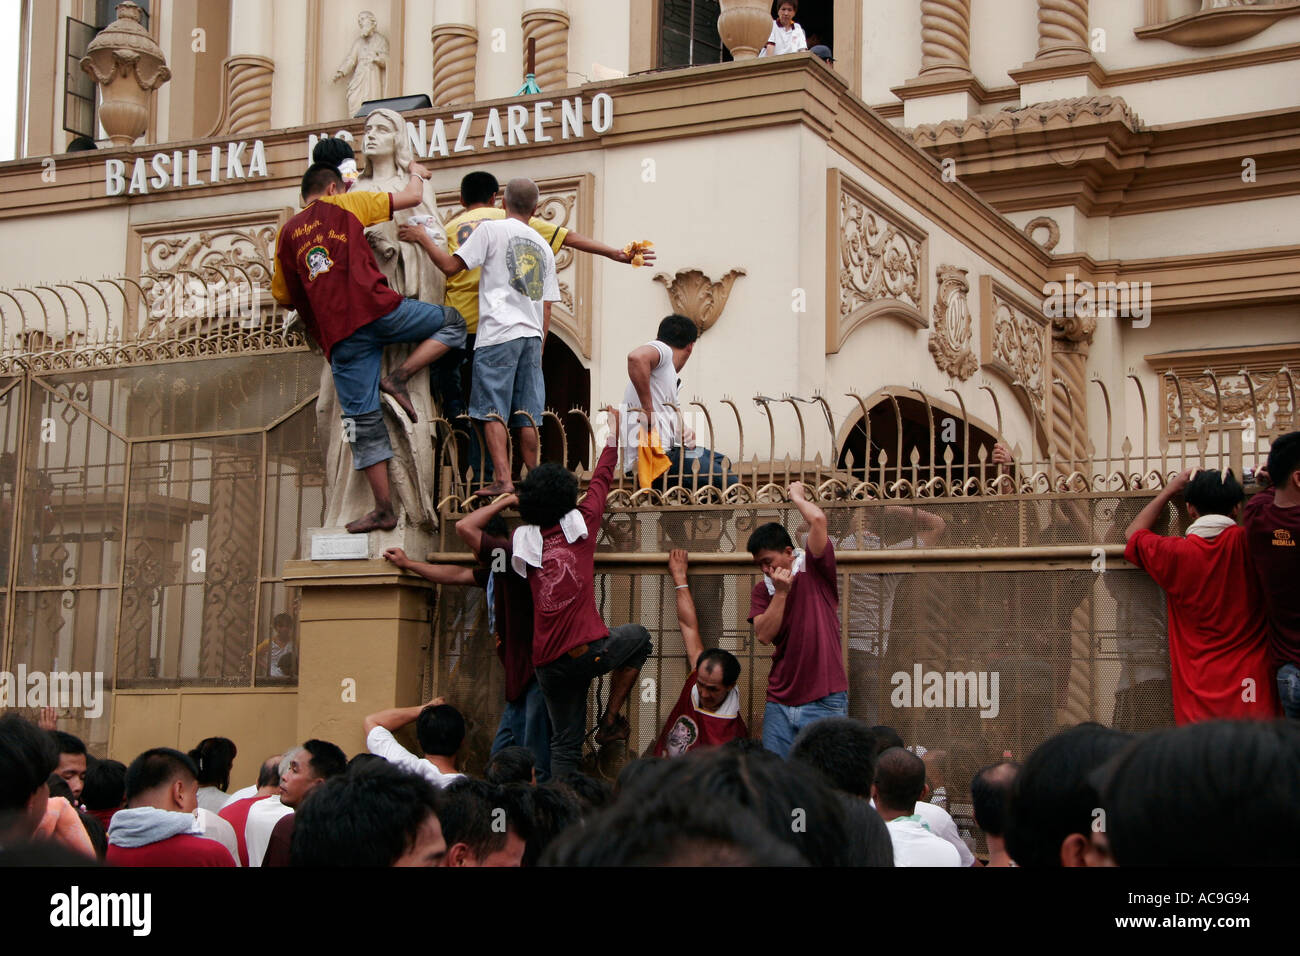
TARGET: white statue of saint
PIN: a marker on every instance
(365, 64)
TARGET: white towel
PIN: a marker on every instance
(527, 546)
(795, 568)
(1210, 526)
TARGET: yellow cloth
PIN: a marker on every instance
(651, 462)
(462, 288)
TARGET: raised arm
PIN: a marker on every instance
(448, 263)
(768, 624)
(583, 243)
(593, 506)
(687, 622)
(929, 526)
(395, 718)
(815, 517)
(470, 528)
(641, 362)
(1149, 515)
(413, 194)
(437, 573)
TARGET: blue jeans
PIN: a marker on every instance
(525, 723)
(681, 469)
(508, 379)
(1288, 689)
(781, 723)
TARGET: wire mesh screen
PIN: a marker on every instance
(968, 656)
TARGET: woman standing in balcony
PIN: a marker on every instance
(787, 36)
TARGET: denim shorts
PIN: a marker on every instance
(358, 359)
(508, 379)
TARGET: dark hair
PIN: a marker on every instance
(900, 779)
(326, 760)
(440, 730)
(59, 787)
(317, 179)
(155, 767)
(1213, 494)
(672, 830)
(769, 537)
(744, 745)
(548, 493)
(105, 785)
(478, 187)
(268, 775)
(869, 841)
(989, 791)
(466, 816)
(214, 756)
(282, 618)
(510, 765)
(98, 836)
(717, 657)
(362, 759)
(792, 3)
(67, 743)
(1218, 793)
(497, 526)
(369, 816)
(331, 151)
(546, 811)
(632, 772)
(842, 750)
(1052, 797)
(1283, 458)
(593, 793)
(677, 331)
(886, 737)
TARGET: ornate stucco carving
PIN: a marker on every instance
(881, 258)
(1054, 114)
(1053, 231)
(551, 30)
(455, 58)
(246, 96)
(945, 36)
(1016, 342)
(694, 295)
(1252, 389)
(1062, 27)
(950, 338)
(126, 62)
(1217, 22)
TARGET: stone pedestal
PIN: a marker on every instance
(363, 635)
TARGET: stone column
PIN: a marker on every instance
(246, 95)
(1062, 27)
(126, 62)
(945, 36)
(1071, 338)
(455, 53)
(363, 634)
(548, 23)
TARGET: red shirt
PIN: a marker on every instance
(691, 727)
(1273, 548)
(1218, 637)
(513, 608)
(807, 663)
(564, 600)
(237, 816)
(325, 269)
(180, 850)
(277, 847)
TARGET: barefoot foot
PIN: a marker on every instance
(397, 389)
(496, 488)
(375, 521)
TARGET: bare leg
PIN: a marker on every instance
(529, 445)
(382, 518)
(425, 354)
(497, 438)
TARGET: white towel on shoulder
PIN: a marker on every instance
(794, 569)
(527, 545)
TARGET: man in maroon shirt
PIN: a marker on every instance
(158, 826)
(555, 550)
(316, 762)
(236, 812)
(1272, 522)
(708, 711)
(795, 608)
(325, 269)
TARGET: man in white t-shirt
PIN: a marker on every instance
(653, 387)
(900, 781)
(517, 285)
(786, 36)
(871, 596)
(439, 728)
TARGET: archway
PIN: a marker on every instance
(901, 425)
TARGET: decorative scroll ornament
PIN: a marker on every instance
(124, 60)
(1038, 118)
(878, 260)
(697, 297)
(1017, 343)
(950, 338)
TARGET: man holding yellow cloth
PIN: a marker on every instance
(652, 445)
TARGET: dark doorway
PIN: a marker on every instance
(568, 386)
(949, 432)
(817, 17)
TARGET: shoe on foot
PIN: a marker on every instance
(620, 729)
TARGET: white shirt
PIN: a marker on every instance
(663, 392)
(240, 795)
(383, 744)
(215, 828)
(211, 798)
(262, 818)
(871, 597)
(942, 825)
(915, 845)
(518, 275)
(787, 41)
